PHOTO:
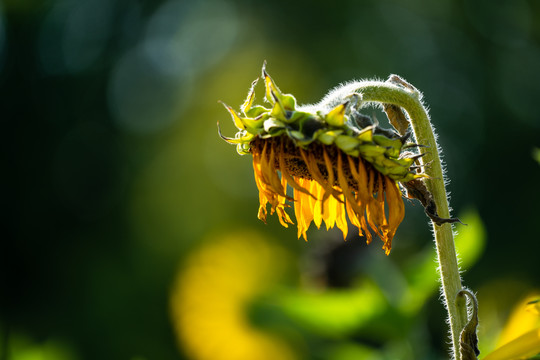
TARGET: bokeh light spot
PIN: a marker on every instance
(142, 99)
(74, 35)
(210, 298)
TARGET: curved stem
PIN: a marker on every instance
(410, 99)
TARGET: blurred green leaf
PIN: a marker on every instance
(422, 276)
(334, 313)
(422, 273)
(352, 351)
(536, 154)
(471, 239)
(22, 348)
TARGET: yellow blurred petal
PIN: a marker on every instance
(234, 268)
(523, 347)
(520, 321)
(533, 306)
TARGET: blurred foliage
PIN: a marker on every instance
(116, 181)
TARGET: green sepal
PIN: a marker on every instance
(299, 117)
(405, 162)
(246, 106)
(366, 135)
(371, 150)
(289, 102)
(336, 117)
(278, 111)
(243, 149)
(256, 111)
(236, 119)
(242, 137)
(328, 137)
(353, 133)
(272, 91)
(272, 123)
(346, 143)
(393, 146)
(253, 126)
(297, 135)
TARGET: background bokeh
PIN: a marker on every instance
(132, 229)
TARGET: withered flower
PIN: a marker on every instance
(337, 162)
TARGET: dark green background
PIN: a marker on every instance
(113, 170)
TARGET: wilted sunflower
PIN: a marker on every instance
(337, 161)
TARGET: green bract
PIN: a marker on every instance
(342, 126)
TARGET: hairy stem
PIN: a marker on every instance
(397, 92)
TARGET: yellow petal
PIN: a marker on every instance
(299, 198)
(396, 208)
(341, 220)
(283, 217)
(380, 203)
(343, 183)
(330, 209)
(362, 196)
(353, 217)
(271, 172)
(302, 208)
(317, 210)
(372, 208)
(330, 171)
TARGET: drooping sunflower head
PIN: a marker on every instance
(337, 162)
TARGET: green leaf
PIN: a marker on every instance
(335, 312)
(471, 239)
(422, 274)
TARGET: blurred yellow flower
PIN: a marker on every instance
(211, 293)
(520, 338)
(337, 161)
